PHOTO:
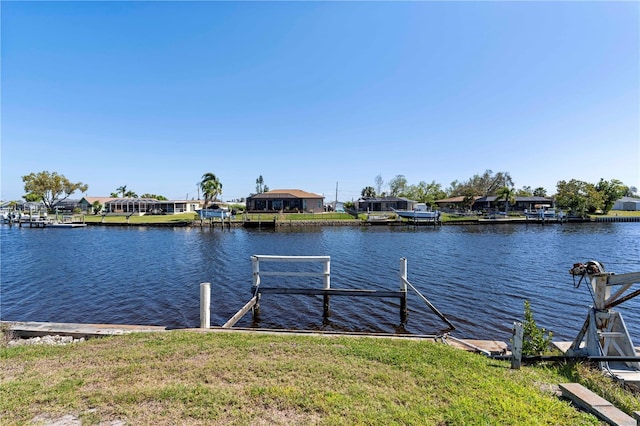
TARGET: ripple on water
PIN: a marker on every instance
(478, 276)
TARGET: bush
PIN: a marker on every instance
(535, 340)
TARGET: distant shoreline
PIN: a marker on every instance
(358, 222)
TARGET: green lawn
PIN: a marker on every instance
(183, 377)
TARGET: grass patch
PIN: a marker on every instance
(205, 378)
(177, 218)
(618, 213)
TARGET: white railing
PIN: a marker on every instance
(325, 274)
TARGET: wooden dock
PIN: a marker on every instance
(28, 329)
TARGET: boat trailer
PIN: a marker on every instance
(604, 337)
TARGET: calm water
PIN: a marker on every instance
(478, 276)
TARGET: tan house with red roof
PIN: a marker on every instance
(286, 201)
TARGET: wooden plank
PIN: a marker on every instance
(595, 404)
(33, 329)
(332, 292)
(234, 319)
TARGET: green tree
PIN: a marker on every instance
(154, 196)
(468, 198)
(96, 207)
(368, 191)
(114, 195)
(610, 191)
(260, 185)
(508, 195)
(398, 186)
(51, 188)
(525, 191)
(122, 189)
(483, 185)
(572, 195)
(540, 192)
(426, 193)
(31, 197)
(130, 194)
(211, 187)
(579, 196)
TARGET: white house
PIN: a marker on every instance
(627, 204)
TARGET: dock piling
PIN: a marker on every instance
(205, 305)
(403, 288)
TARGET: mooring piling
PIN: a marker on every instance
(205, 305)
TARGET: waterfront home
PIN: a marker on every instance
(286, 201)
(384, 204)
(521, 203)
(142, 206)
(627, 204)
(490, 203)
(453, 204)
(86, 203)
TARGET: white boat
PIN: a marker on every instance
(214, 212)
(549, 213)
(419, 212)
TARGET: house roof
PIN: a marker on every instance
(492, 198)
(457, 199)
(101, 200)
(628, 200)
(383, 199)
(286, 193)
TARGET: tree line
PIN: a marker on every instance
(578, 196)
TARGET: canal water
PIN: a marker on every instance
(478, 276)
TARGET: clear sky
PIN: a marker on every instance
(152, 95)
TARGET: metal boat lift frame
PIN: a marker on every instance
(604, 336)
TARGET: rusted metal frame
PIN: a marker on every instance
(623, 299)
(617, 294)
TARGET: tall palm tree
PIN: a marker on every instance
(508, 195)
(122, 189)
(211, 187)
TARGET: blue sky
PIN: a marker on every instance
(154, 94)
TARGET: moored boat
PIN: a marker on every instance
(420, 212)
(549, 213)
(214, 211)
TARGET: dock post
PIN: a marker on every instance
(403, 288)
(326, 311)
(205, 305)
(516, 350)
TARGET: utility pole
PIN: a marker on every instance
(335, 206)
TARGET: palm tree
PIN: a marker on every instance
(368, 191)
(508, 195)
(211, 187)
(122, 189)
